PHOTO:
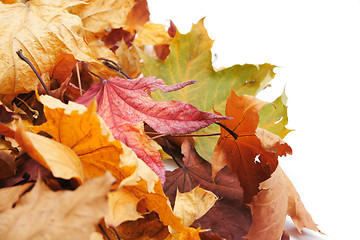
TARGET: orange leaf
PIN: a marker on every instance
(244, 152)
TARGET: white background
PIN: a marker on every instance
(316, 45)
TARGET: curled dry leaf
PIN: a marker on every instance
(43, 30)
(59, 215)
(277, 197)
(58, 158)
(192, 205)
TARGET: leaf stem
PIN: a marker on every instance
(22, 57)
(78, 77)
(113, 65)
(228, 130)
(184, 135)
(34, 112)
(171, 153)
(87, 69)
(104, 232)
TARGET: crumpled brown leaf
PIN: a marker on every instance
(276, 198)
(42, 213)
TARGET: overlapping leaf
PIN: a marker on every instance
(229, 218)
(244, 153)
(99, 15)
(43, 30)
(124, 104)
(86, 134)
(190, 59)
(277, 197)
(61, 214)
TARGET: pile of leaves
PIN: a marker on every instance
(94, 97)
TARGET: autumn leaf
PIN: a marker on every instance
(58, 158)
(99, 15)
(11, 195)
(124, 104)
(190, 59)
(99, 152)
(192, 205)
(273, 116)
(244, 153)
(138, 15)
(43, 30)
(276, 198)
(230, 218)
(59, 215)
(148, 227)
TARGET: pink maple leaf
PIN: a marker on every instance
(125, 104)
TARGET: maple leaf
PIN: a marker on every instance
(190, 59)
(273, 116)
(244, 153)
(230, 218)
(59, 215)
(276, 198)
(43, 30)
(99, 15)
(99, 152)
(124, 104)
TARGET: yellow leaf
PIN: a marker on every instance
(58, 158)
(82, 130)
(153, 34)
(100, 15)
(43, 30)
(44, 214)
(128, 59)
(192, 205)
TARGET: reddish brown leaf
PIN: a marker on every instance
(124, 104)
(115, 36)
(149, 227)
(244, 153)
(230, 218)
(138, 15)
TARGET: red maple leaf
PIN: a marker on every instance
(125, 104)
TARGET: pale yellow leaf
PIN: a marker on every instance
(10, 195)
(101, 15)
(193, 205)
(44, 214)
(58, 158)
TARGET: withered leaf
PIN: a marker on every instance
(244, 153)
(125, 104)
(230, 218)
(59, 215)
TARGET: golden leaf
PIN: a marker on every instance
(100, 15)
(43, 30)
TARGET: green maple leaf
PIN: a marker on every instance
(273, 116)
(190, 59)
